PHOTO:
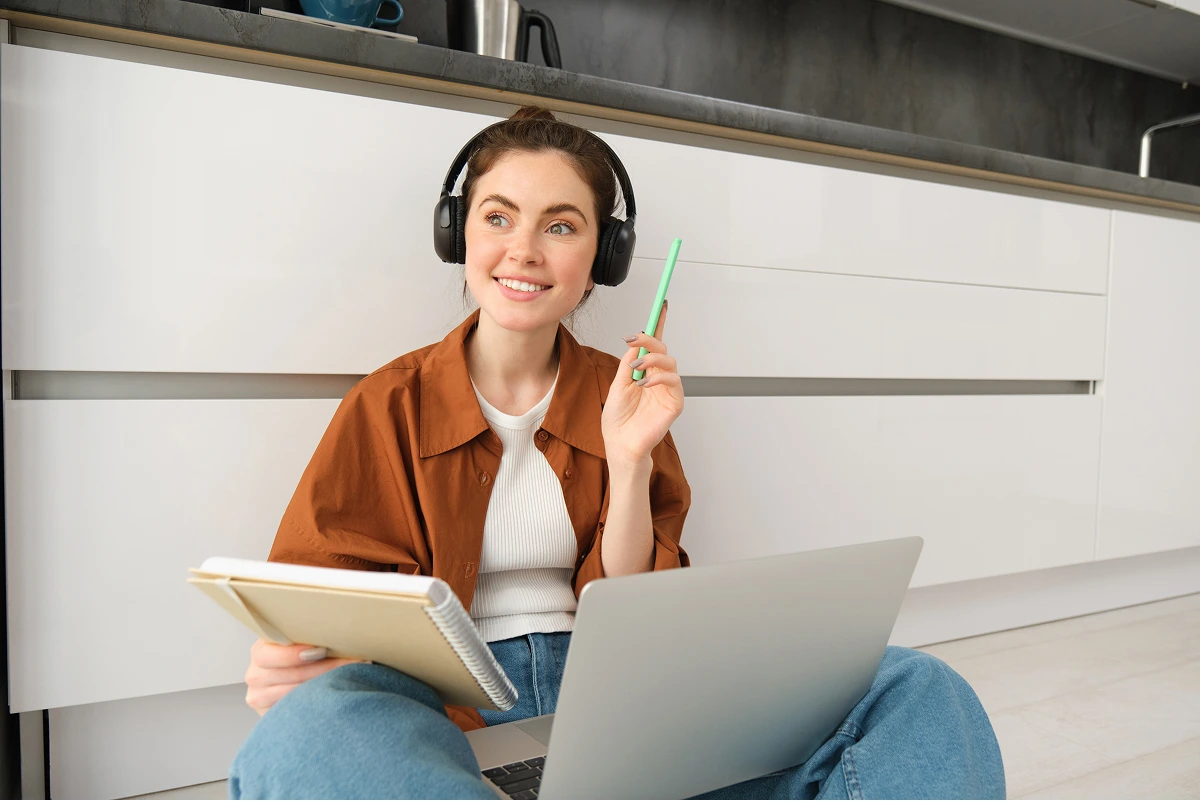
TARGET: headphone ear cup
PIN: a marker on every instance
(614, 254)
(460, 230)
(443, 228)
(449, 229)
(604, 247)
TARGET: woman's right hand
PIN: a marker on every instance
(275, 670)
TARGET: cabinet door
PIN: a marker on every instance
(109, 504)
(993, 484)
(1150, 476)
(164, 220)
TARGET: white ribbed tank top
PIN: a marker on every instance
(529, 546)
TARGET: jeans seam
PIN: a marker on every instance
(533, 666)
(849, 729)
(850, 773)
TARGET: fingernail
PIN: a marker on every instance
(312, 654)
(636, 363)
(665, 302)
(630, 339)
(642, 383)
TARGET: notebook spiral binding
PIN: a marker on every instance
(458, 629)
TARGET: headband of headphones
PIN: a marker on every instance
(464, 155)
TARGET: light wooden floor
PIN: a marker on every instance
(1103, 706)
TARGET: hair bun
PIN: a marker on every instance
(533, 113)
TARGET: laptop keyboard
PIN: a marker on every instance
(520, 780)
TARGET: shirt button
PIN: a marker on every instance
(484, 478)
(543, 436)
(568, 473)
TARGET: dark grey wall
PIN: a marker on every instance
(870, 62)
(878, 64)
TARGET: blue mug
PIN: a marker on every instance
(351, 12)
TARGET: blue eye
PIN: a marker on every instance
(563, 228)
(497, 221)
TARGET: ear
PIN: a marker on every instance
(591, 285)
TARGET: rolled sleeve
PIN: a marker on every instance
(354, 507)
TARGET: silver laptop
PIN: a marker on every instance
(683, 681)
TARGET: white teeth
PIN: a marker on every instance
(520, 285)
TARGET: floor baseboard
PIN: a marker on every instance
(970, 608)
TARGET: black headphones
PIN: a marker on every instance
(614, 251)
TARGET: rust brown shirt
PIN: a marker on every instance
(402, 477)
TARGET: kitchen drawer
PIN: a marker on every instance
(742, 321)
(108, 505)
(734, 208)
(163, 220)
(994, 485)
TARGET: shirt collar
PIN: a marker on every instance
(450, 413)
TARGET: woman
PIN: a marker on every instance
(517, 465)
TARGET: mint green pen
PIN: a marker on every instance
(656, 309)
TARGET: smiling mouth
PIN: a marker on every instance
(520, 286)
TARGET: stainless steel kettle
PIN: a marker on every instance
(499, 28)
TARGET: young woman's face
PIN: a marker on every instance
(531, 238)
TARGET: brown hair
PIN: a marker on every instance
(535, 130)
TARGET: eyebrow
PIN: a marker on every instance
(557, 208)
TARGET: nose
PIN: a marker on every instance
(526, 247)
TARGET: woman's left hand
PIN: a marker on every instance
(636, 418)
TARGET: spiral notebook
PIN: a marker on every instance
(414, 624)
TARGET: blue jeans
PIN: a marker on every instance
(367, 731)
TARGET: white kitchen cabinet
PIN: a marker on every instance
(108, 505)
(1150, 470)
(161, 220)
(994, 485)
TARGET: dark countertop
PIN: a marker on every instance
(193, 21)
